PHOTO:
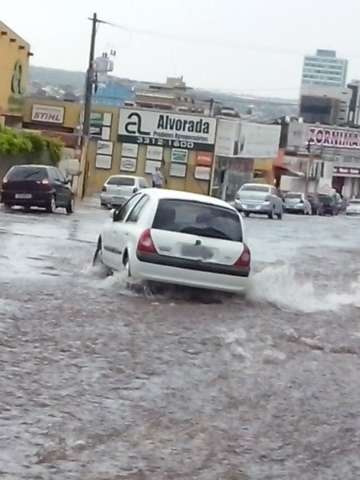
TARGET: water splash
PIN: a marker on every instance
(284, 288)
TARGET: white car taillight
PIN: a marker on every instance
(145, 243)
(244, 260)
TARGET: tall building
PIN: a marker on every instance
(324, 68)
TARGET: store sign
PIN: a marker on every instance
(129, 150)
(301, 136)
(204, 159)
(167, 129)
(154, 153)
(202, 173)
(128, 164)
(346, 171)
(333, 137)
(179, 156)
(100, 125)
(47, 114)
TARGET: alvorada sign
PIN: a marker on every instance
(167, 129)
(332, 137)
(47, 114)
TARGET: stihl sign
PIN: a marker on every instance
(47, 114)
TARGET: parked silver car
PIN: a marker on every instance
(119, 188)
(296, 202)
(353, 207)
(260, 199)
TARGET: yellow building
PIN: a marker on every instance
(128, 141)
(14, 67)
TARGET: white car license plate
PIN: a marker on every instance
(196, 252)
(258, 207)
(23, 196)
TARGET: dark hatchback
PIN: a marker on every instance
(328, 205)
(37, 186)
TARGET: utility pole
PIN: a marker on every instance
(309, 164)
(87, 106)
(89, 78)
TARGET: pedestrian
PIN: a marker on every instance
(157, 178)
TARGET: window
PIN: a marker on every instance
(293, 196)
(136, 211)
(143, 183)
(125, 209)
(27, 173)
(197, 218)
(254, 188)
(121, 181)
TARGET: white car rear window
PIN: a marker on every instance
(121, 181)
(197, 218)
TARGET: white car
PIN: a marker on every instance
(259, 198)
(119, 188)
(353, 207)
(178, 238)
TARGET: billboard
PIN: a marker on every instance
(236, 138)
(167, 129)
(259, 140)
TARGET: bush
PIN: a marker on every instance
(13, 142)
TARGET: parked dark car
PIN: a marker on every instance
(328, 205)
(314, 201)
(37, 186)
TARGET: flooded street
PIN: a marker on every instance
(101, 383)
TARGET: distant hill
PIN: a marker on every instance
(264, 108)
(57, 78)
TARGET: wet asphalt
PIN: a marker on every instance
(99, 382)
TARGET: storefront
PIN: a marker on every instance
(244, 152)
(346, 181)
(136, 142)
(335, 150)
(14, 66)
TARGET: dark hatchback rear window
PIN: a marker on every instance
(121, 181)
(198, 218)
(27, 173)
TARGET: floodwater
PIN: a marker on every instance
(101, 383)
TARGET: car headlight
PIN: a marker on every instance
(266, 202)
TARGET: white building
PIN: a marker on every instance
(324, 68)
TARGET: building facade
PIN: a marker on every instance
(244, 152)
(325, 104)
(330, 156)
(14, 66)
(133, 141)
(324, 68)
(173, 95)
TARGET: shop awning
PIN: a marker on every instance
(284, 170)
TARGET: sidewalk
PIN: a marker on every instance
(89, 202)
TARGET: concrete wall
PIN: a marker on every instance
(14, 66)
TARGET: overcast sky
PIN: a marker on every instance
(244, 46)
